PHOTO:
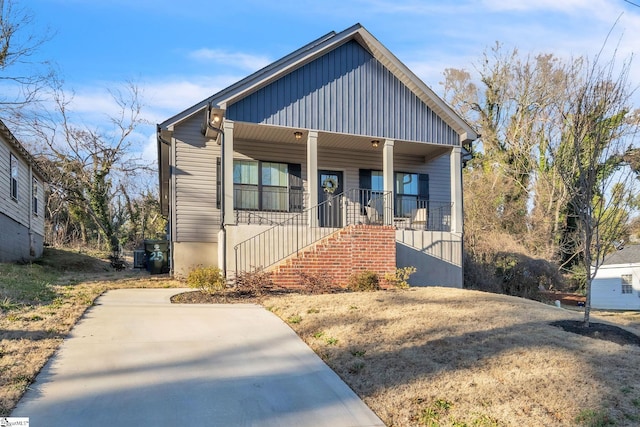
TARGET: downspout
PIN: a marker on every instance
(162, 141)
(32, 250)
(220, 132)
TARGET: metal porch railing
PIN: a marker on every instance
(356, 206)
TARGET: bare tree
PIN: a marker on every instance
(89, 167)
(22, 77)
(598, 129)
(511, 103)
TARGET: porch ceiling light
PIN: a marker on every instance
(297, 134)
(375, 143)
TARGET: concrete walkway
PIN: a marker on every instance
(135, 359)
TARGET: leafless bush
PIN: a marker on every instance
(255, 282)
(316, 283)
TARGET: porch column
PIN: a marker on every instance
(387, 179)
(456, 190)
(312, 173)
(227, 140)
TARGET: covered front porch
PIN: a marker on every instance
(282, 189)
(269, 174)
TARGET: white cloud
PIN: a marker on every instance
(569, 6)
(150, 150)
(240, 60)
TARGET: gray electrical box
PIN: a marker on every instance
(138, 258)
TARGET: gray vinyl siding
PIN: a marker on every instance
(22, 230)
(196, 217)
(18, 210)
(37, 219)
(348, 91)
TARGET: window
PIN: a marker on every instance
(626, 281)
(265, 186)
(245, 184)
(13, 166)
(34, 192)
(411, 189)
(406, 189)
(377, 181)
(275, 183)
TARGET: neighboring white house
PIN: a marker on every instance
(21, 201)
(337, 135)
(617, 282)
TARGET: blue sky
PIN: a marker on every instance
(180, 52)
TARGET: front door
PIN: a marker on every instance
(330, 209)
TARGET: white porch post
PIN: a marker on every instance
(227, 215)
(312, 173)
(387, 178)
(456, 190)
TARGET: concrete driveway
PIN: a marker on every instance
(135, 359)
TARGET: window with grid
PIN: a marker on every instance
(13, 166)
(626, 281)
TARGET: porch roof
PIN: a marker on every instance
(339, 141)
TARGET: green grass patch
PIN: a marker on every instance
(594, 418)
(294, 319)
(29, 284)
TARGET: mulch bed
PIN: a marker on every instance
(198, 297)
(230, 297)
(599, 331)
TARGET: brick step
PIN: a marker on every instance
(350, 250)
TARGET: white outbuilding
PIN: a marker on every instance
(617, 282)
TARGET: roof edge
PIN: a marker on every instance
(31, 161)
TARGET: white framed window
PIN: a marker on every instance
(13, 166)
(626, 280)
(34, 193)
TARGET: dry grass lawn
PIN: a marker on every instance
(39, 304)
(425, 356)
(439, 356)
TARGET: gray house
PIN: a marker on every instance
(21, 201)
(336, 154)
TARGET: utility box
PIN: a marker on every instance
(139, 258)
(157, 255)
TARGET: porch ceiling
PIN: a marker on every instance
(277, 134)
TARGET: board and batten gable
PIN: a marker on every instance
(347, 91)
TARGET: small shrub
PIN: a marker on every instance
(256, 282)
(316, 283)
(331, 341)
(207, 279)
(364, 281)
(358, 353)
(318, 334)
(313, 311)
(400, 277)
